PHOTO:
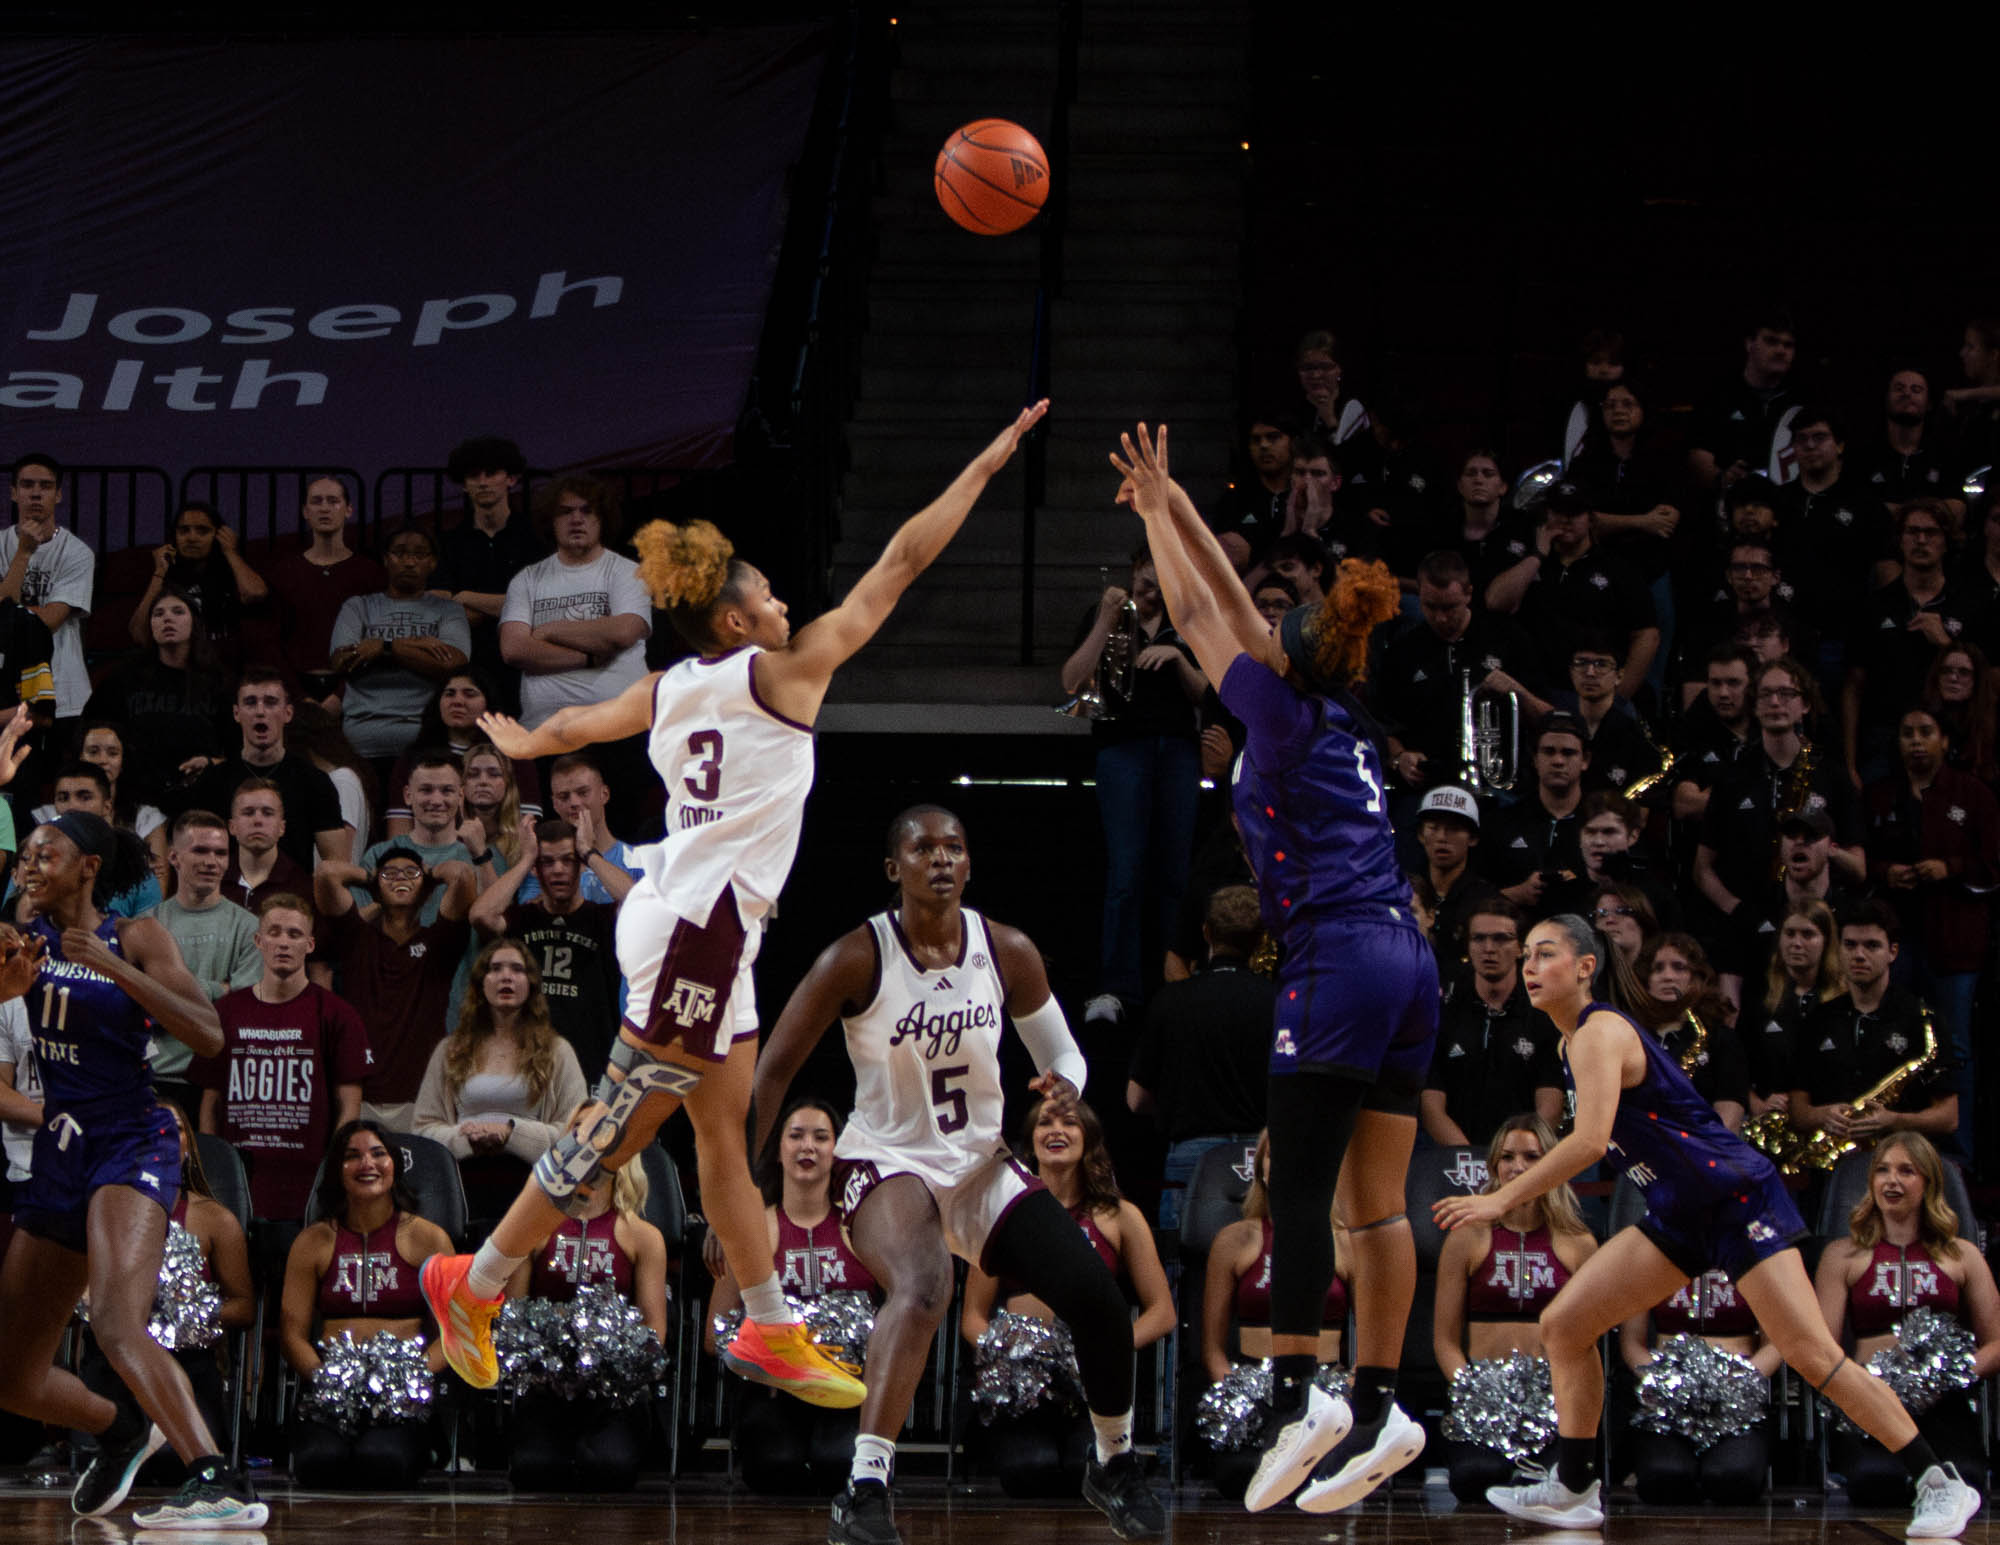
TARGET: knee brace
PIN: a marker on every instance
(569, 1170)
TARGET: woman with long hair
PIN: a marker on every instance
(1961, 692)
(1357, 1007)
(1494, 1280)
(174, 698)
(317, 734)
(499, 1088)
(1807, 969)
(493, 798)
(101, 743)
(1699, 1028)
(1903, 1251)
(582, 1444)
(1064, 1143)
(1624, 915)
(785, 1447)
(451, 718)
(1712, 1202)
(354, 1270)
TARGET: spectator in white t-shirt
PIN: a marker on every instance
(20, 1090)
(50, 571)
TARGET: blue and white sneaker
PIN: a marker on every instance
(109, 1476)
(207, 1501)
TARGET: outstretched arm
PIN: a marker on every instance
(840, 976)
(571, 729)
(794, 680)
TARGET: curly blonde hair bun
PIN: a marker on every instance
(685, 566)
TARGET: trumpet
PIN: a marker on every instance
(1489, 738)
(1110, 685)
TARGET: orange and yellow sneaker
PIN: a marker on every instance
(786, 1357)
(465, 1322)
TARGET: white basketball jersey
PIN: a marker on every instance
(926, 1054)
(736, 775)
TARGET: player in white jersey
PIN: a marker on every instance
(921, 991)
(731, 735)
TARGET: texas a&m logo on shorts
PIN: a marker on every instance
(691, 1003)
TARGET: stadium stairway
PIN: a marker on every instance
(1143, 315)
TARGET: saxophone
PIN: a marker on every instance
(1697, 1049)
(1645, 784)
(1795, 1152)
(1798, 790)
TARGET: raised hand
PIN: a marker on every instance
(1459, 1211)
(1147, 485)
(505, 733)
(12, 752)
(531, 844)
(20, 962)
(1058, 1091)
(997, 455)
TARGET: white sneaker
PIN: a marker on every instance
(1547, 1501)
(1359, 1463)
(1292, 1451)
(1945, 1505)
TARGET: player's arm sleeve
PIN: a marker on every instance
(1045, 1032)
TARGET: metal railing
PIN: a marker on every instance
(118, 506)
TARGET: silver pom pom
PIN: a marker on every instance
(1502, 1403)
(187, 1308)
(368, 1384)
(1932, 1357)
(1700, 1392)
(1231, 1415)
(1024, 1363)
(596, 1347)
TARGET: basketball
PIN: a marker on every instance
(992, 176)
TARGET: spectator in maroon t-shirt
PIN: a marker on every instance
(258, 867)
(290, 1070)
(396, 970)
(308, 587)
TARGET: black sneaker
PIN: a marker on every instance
(109, 1476)
(1119, 1491)
(863, 1515)
(209, 1500)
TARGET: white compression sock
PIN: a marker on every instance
(1114, 1435)
(874, 1460)
(765, 1302)
(490, 1271)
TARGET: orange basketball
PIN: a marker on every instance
(992, 176)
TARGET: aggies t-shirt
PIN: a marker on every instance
(279, 1066)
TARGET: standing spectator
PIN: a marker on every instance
(313, 822)
(1532, 850)
(1806, 874)
(580, 795)
(1753, 590)
(1637, 496)
(1716, 730)
(1446, 892)
(1568, 585)
(1249, 515)
(260, 867)
(1485, 535)
(390, 646)
(174, 698)
(1962, 693)
(1496, 1055)
(311, 586)
(1338, 418)
(1148, 778)
(1806, 970)
(291, 1066)
(396, 969)
(1203, 1056)
(203, 564)
(1603, 358)
(483, 552)
(1833, 536)
(1907, 462)
(217, 938)
(1933, 840)
(572, 939)
(1732, 438)
(51, 572)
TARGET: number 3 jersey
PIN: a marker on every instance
(926, 1054)
(90, 1037)
(737, 774)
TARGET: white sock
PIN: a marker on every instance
(1114, 1435)
(491, 1270)
(765, 1302)
(874, 1460)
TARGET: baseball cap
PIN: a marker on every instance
(1447, 800)
(1812, 822)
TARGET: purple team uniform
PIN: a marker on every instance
(101, 1125)
(1357, 993)
(1711, 1199)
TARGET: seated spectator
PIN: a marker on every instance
(1750, 933)
(1849, 1044)
(1532, 850)
(1833, 537)
(785, 1447)
(1338, 419)
(259, 867)
(1496, 1054)
(1249, 514)
(1674, 970)
(498, 1088)
(1567, 585)
(1486, 534)
(314, 827)
(1624, 915)
(1806, 970)
(1907, 460)
(1494, 1281)
(1301, 561)
(1716, 729)
(1446, 891)
(101, 744)
(355, 1271)
(1732, 436)
(389, 646)
(493, 799)
(1934, 849)
(440, 831)
(1670, 1469)
(1202, 1064)
(1903, 1250)
(291, 1067)
(573, 940)
(1603, 365)
(316, 734)
(451, 719)
(309, 587)
(1238, 1291)
(580, 794)
(202, 563)
(1962, 695)
(1752, 594)
(493, 542)
(83, 786)
(51, 572)
(1041, 1453)
(1315, 509)
(173, 699)
(396, 969)
(1620, 751)
(1609, 839)
(586, 1445)
(217, 938)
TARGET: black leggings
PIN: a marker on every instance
(1311, 1118)
(1876, 1477)
(577, 1445)
(389, 1457)
(1039, 1246)
(786, 1448)
(1732, 1471)
(1041, 1453)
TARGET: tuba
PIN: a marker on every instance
(1489, 738)
(1795, 1152)
(1110, 686)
